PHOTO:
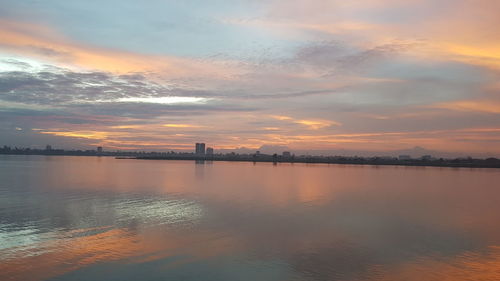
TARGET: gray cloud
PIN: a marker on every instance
(68, 97)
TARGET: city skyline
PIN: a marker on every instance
(200, 155)
(201, 149)
(371, 76)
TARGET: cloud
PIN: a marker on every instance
(321, 74)
(69, 105)
(471, 105)
(314, 124)
(164, 100)
(181, 126)
(62, 87)
(317, 124)
(42, 42)
(456, 30)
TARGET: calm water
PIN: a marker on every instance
(90, 218)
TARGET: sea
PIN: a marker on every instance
(101, 218)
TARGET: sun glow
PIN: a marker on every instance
(184, 126)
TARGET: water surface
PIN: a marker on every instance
(99, 218)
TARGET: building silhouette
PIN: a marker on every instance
(99, 149)
(210, 151)
(200, 148)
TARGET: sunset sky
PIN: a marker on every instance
(361, 75)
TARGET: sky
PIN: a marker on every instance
(303, 75)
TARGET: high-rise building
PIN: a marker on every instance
(48, 147)
(200, 148)
(210, 151)
(99, 149)
(287, 154)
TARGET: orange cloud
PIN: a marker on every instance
(126, 127)
(181, 126)
(471, 105)
(317, 124)
(42, 42)
(94, 135)
(464, 32)
(313, 124)
(281, 117)
(151, 136)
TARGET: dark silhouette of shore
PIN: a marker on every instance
(273, 158)
(457, 162)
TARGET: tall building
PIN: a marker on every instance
(210, 151)
(48, 147)
(287, 154)
(99, 149)
(200, 148)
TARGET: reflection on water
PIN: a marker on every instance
(81, 218)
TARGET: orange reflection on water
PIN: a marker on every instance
(396, 223)
(73, 254)
(469, 266)
(127, 246)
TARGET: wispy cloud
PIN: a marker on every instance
(312, 124)
(181, 126)
(38, 41)
(471, 105)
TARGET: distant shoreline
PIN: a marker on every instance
(376, 161)
(265, 158)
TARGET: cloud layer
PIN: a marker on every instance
(321, 75)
